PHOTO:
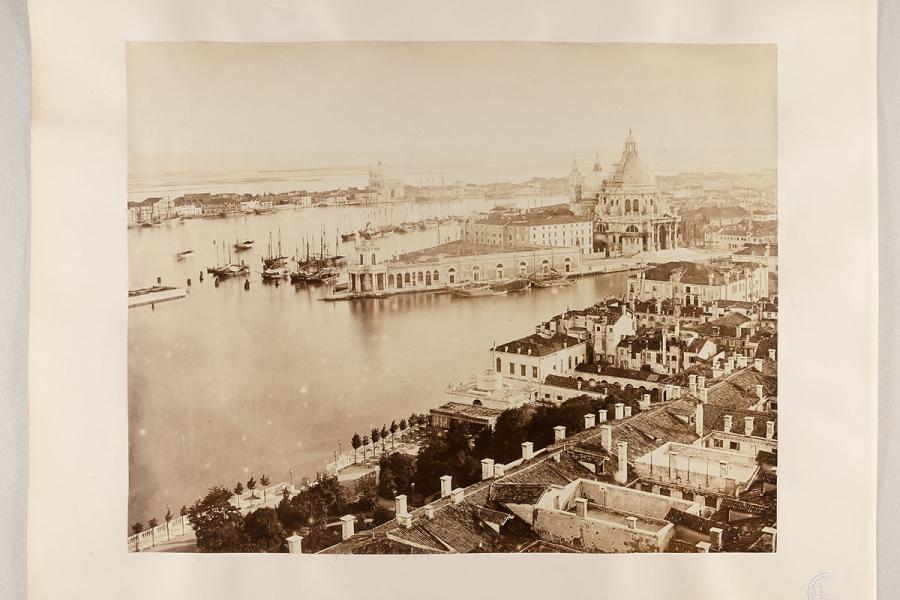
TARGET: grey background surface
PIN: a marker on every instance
(15, 105)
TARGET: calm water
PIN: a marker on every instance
(228, 382)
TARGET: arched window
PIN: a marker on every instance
(391, 280)
(523, 268)
(499, 364)
(476, 270)
(568, 264)
(421, 277)
(637, 205)
(545, 266)
(627, 206)
(499, 268)
(435, 275)
(406, 278)
(451, 275)
(631, 229)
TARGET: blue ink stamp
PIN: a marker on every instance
(819, 587)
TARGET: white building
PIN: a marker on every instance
(695, 283)
(534, 357)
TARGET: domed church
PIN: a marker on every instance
(630, 214)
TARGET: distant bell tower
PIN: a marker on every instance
(630, 145)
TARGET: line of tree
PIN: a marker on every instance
(376, 434)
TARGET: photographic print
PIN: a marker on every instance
(438, 298)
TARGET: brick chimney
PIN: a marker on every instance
(701, 382)
(294, 543)
(758, 364)
(347, 522)
(759, 391)
(741, 361)
(620, 410)
(748, 425)
(457, 495)
(405, 521)
(606, 437)
(487, 468)
(670, 391)
(698, 419)
(581, 507)
(704, 395)
(726, 427)
(400, 506)
(446, 485)
(692, 383)
(703, 547)
(622, 473)
(645, 399)
(429, 512)
(601, 415)
(527, 450)
(499, 470)
(559, 433)
(716, 534)
(772, 353)
(632, 522)
(770, 430)
(590, 420)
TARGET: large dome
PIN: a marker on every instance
(631, 169)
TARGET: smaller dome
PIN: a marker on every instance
(490, 381)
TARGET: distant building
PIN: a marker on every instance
(766, 254)
(534, 357)
(695, 283)
(491, 390)
(537, 228)
(631, 215)
(389, 190)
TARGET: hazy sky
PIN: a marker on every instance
(211, 105)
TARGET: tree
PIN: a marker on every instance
(368, 495)
(251, 485)
(183, 511)
(356, 442)
(403, 425)
(218, 523)
(169, 516)
(239, 489)
(152, 523)
(137, 527)
(376, 435)
(397, 473)
(264, 531)
(383, 433)
(264, 482)
(394, 428)
(365, 442)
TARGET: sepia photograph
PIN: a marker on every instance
(452, 297)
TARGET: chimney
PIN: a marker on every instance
(622, 473)
(606, 437)
(670, 391)
(758, 364)
(716, 535)
(772, 353)
(590, 420)
(692, 382)
(701, 382)
(703, 547)
(446, 485)
(769, 534)
(581, 507)
(620, 410)
(698, 419)
(727, 426)
(723, 469)
(748, 425)
(601, 415)
(770, 430)
(677, 391)
(627, 411)
(405, 520)
(632, 522)
(294, 543)
(499, 470)
(759, 391)
(527, 450)
(559, 433)
(704, 395)
(487, 468)
(673, 468)
(646, 400)
(429, 512)
(400, 506)
(457, 495)
(347, 522)
(741, 361)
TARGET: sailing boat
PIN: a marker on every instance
(183, 254)
(241, 245)
(276, 260)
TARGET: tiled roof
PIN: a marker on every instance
(746, 507)
(685, 272)
(714, 419)
(681, 546)
(517, 493)
(694, 522)
(468, 410)
(610, 371)
(767, 458)
(730, 320)
(539, 345)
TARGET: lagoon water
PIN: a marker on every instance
(228, 382)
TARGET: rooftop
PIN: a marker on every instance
(459, 249)
(538, 345)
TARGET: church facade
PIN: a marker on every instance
(629, 212)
